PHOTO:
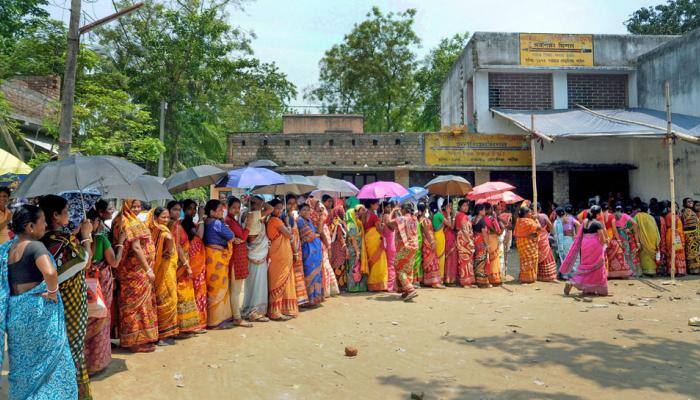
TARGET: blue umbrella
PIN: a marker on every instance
(414, 194)
(250, 177)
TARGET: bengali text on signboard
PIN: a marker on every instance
(478, 150)
(555, 50)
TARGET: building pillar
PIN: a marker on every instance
(560, 89)
(561, 187)
(401, 176)
(481, 176)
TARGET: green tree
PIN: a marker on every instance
(433, 70)
(373, 72)
(676, 17)
(17, 17)
(187, 54)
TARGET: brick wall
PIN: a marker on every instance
(32, 98)
(331, 149)
(520, 91)
(325, 123)
(597, 90)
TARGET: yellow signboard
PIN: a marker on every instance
(476, 150)
(554, 50)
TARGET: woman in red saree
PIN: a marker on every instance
(197, 259)
(546, 265)
(465, 245)
(238, 264)
(282, 304)
(452, 254)
(430, 262)
(339, 250)
(187, 313)
(615, 253)
(406, 248)
(676, 244)
(526, 234)
(138, 323)
(591, 275)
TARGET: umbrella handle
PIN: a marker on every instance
(82, 204)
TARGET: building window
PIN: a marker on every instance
(308, 143)
(242, 142)
(330, 142)
(397, 142)
(375, 142)
(265, 142)
(353, 142)
(597, 90)
(286, 142)
(520, 91)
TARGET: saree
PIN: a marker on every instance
(649, 239)
(691, 231)
(406, 248)
(218, 304)
(299, 283)
(564, 243)
(187, 313)
(138, 324)
(330, 284)
(280, 273)
(255, 291)
(98, 348)
(389, 238)
(429, 260)
(312, 258)
(440, 252)
(591, 277)
(546, 266)
(378, 266)
(630, 252)
(465, 250)
(527, 248)
(495, 250)
(40, 362)
(452, 255)
(676, 244)
(165, 270)
(418, 265)
(357, 266)
(198, 257)
(66, 252)
(481, 257)
(338, 231)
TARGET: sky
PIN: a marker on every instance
(294, 34)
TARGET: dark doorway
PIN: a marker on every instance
(586, 184)
(522, 180)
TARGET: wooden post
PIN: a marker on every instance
(65, 126)
(672, 180)
(534, 163)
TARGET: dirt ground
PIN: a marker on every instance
(512, 342)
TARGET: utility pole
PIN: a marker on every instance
(65, 139)
(161, 160)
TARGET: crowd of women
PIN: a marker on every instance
(142, 279)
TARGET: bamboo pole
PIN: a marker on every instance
(672, 180)
(534, 163)
(688, 138)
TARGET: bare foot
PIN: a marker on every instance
(567, 289)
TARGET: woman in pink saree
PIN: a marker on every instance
(591, 276)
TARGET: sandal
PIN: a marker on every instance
(282, 318)
(255, 317)
(243, 323)
(410, 296)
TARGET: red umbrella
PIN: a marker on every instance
(506, 197)
(488, 189)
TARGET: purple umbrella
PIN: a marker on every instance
(249, 177)
(381, 190)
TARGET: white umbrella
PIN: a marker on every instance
(333, 187)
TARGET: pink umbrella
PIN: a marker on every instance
(381, 190)
(488, 189)
(506, 197)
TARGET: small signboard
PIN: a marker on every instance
(476, 150)
(556, 50)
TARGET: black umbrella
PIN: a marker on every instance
(78, 172)
(194, 177)
(145, 187)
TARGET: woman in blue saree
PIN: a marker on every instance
(31, 314)
(312, 256)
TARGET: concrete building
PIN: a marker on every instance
(500, 75)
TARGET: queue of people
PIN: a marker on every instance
(143, 279)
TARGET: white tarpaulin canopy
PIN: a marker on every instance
(579, 123)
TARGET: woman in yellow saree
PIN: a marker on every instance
(378, 268)
(649, 239)
(165, 269)
(526, 233)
